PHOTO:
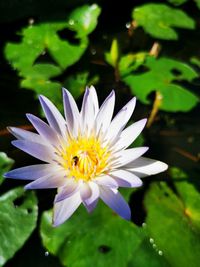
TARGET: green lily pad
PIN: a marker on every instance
(18, 216)
(161, 75)
(159, 20)
(170, 224)
(98, 239)
(43, 42)
(5, 165)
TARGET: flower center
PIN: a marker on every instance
(85, 158)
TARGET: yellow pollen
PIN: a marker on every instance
(85, 158)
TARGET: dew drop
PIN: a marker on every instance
(160, 252)
(31, 21)
(93, 51)
(151, 240)
(46, 253)
(128, 25)
(144, 224)
(154, 246)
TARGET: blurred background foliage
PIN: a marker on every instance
(139, 48)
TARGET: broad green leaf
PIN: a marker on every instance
(42, 42)
(161, 75)
(170, 227)
(159, 20)
(83, 20)
(40, 38)
(98, 239)
(18, 216)
(112, 56)
(5, 164)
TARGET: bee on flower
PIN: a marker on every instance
(85, 154)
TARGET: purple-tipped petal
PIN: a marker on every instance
(71, 112)
(106, 180)
(128, 155)
(116, 202)
(145, 166)
(53, 180)
(32, 172)
(105, 113)
(54, 118)
(128, 136)
(44, 130)
(70, 188)
(26, 135)
(92, 200)
(36, 150)
(64, 209)
(125, 178)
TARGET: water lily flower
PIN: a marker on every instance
(86, 154)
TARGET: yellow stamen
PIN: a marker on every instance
(85, 158)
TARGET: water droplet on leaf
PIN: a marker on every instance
(151, 240)
(160, 252)
(46, 253)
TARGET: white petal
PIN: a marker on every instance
(106, 180)
(32, 172)
(71, 112)
(145, 166)
(95, 100)
(129, 135)
(89, 109)
(64, 209)
(54, 180)
(54, 118)
(36, 150)
(105, 113)
(128, 155)
(120, 120)
(26, 135)
(71, 186)
(125, 178)
(115, 201)
(44, 130)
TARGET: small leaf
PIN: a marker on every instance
(159, 20)
(112, 56)
(5, 164)
(18, 216)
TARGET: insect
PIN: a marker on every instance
(75, 160)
